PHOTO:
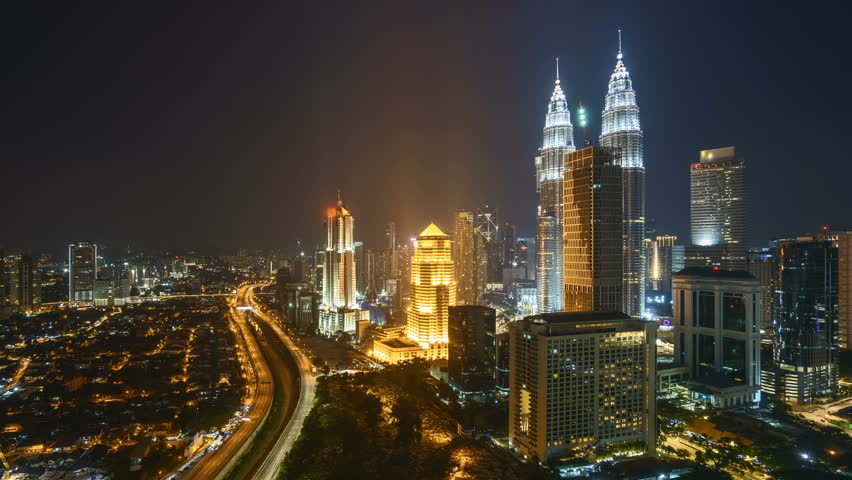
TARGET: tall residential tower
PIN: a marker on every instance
(620, 129)
(558, 140)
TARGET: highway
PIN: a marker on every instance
(268, 469)
(271, 362)
(260, 399)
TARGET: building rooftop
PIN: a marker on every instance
(432, 231)
(400, 342)
(713, 272)
(575, 317)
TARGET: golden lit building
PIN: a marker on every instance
(592, 231)
(433, 288)
(468, 257)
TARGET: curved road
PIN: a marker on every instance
(268, 470)
(260, 399)
(274, 361)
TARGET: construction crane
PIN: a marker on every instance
(581, 118)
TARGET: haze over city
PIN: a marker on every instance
(425, 241)
(178, 112)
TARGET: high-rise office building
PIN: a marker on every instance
(558, 139)
(660, 260)
(509, 240)
(82, 272)
(716, 318)
(525, 251)
(339, 278)
(487, 225)
(763, 264)
(472, 363)
(806, 340)
(592, 225)
(620, 129)
(468, 257)
(23, 283)
(580, 380)
(360, 273)
(717, 210)
(433, 288)
(663, 256)
(844, 281)
(502, 354)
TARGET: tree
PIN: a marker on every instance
(409, 424)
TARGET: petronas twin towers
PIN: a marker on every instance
(620, 130)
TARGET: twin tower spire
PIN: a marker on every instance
(620, 129)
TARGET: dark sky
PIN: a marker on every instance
(186, 124)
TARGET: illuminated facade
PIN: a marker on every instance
(82, 272)
(468, 257)
(763, 264)
(433, 288)
(592, 226)
(660, 261)
(581, 380)
(620, 129)
(339, 280)
(807, 338)
(558, 139)
(844, 262)
(717, 210)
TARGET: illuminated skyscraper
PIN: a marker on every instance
(844, 262)
(468, 257)
(806, 341)
(763, 264)
(592, 225)
(339, 278)
(82, 272)
(433, 288)
(620, 129)
(486, 224)
(558, 140)
(717, 210)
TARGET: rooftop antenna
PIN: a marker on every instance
(619, 44)
(339, 201)
(557, 69)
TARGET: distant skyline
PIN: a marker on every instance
(199, 126)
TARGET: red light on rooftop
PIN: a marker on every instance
(716, 269)
(825, 228)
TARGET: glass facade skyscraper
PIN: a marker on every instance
(558, 140)
(620, 129)
(592, 231)
(717, 210)
(806, 342)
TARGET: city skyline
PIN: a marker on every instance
(110, 118)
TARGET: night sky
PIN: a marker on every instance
(190, 125)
